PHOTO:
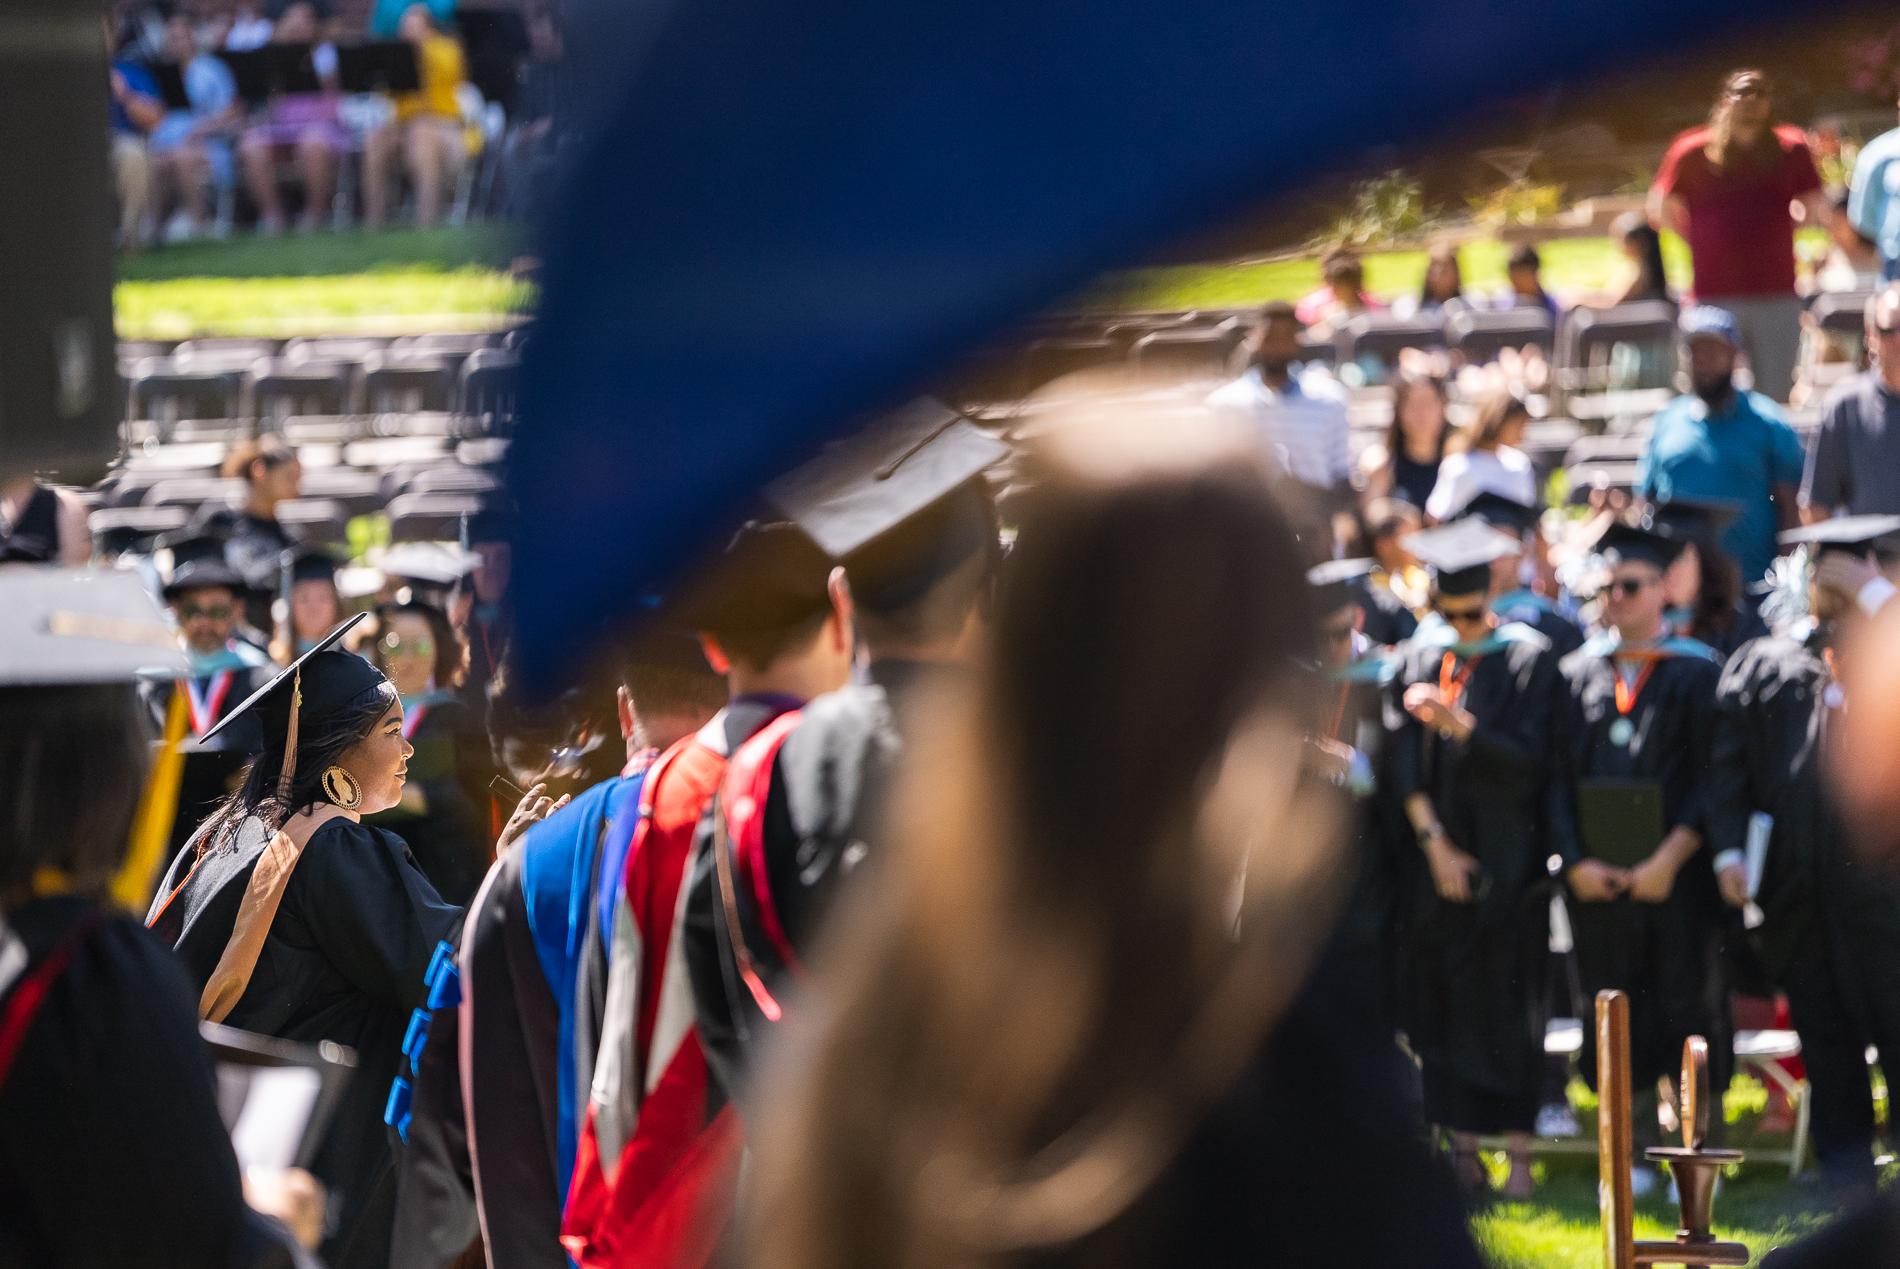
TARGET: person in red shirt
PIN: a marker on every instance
(1729, 188)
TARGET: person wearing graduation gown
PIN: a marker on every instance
(221, 672)
(1511, 600)
(113, 1152)
(1703, 586)
(257, 539)
(296, 920)
(906, 508)
(1475, 708)
(1392, 590)
(533, 977)
(1830, 930)
(311, 604)
(1077, 1014)
(1640, 718)
(658, 1149)
(443, 809)
(487, 535)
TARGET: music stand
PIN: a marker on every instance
(277, 1097)
(379, 66)
(170, 77)
(273, 69)
(495, 42)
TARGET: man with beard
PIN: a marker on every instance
(1727, 188)
(1831, 919)
(1300, 418)
(1721, 443)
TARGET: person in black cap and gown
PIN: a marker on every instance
(1642, 705)
(1703, 586)
(489, 535)
(1475, 708)
(1512, 601)
(311, 604)
(294, 919)
(113, 1151)
(221, 671)
(1830, 930)
(905, 507)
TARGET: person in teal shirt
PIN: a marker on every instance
(385, 20)
(1721, 442)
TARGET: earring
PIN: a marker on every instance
(341, 788)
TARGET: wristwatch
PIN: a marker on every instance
(1429, 833)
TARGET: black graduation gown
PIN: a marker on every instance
(112, 1151)
(1356, 715)
(344, 961)
(487, 648)
(449, 838)
(1384, 619)
(1474, 973)
(210, 768)
(255, 546)
(1830, 932)
(827, 793)
(1747, 625)
(1565, 635)
(1665, 955)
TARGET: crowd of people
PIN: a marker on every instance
(258, 101)
(1131, 874)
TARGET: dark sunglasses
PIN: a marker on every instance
(1457, 615)
(217, 612)
(1630, 587)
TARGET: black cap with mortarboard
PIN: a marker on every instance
(199, 560)
(309, 564)
(63, 627)
(1856, 535)
(1498, 511)
(771, 576)
(1699, 520)
(1331, 583)
(1622, 542)
(322, 684)
(1459, 554)
(902, 504)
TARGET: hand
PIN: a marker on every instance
(1733, 883)
(1844, 575)
(1653, 879)
(1594, 881)
(119, 87)
(534, 807)
(1451, 869)
(1420, 701)
(292, 1196)
(1328, 759)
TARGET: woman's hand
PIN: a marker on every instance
(292, 1196)
(1594, 881)
(1451, 869)
(535, 806)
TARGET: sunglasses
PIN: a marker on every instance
(1460, 615)
(1630, 587)
(413, 647)
(216, 612)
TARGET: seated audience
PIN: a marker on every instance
(191, 148)
(304, 126)
(426, 132)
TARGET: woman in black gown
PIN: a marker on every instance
(112, 1151)
(296, 920)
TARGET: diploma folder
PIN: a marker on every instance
(276, 1097)
(1621, 820)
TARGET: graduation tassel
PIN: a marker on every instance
(151, 826)
(290, 738)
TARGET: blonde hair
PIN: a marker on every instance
(1486, 431)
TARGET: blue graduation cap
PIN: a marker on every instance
(771, 234)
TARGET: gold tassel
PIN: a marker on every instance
(152, 826)
(290, 737)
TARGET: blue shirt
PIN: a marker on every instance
(1871, 206)
(137, 80)
(1740, 455)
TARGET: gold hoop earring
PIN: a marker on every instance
(341, 788)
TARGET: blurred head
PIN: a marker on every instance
(1642, 246)
(1336, 629)
(1344, 273)
(1711, 367)
(1682, 580)
(298, 24)
(494, 570)
(1443, 278)
(315, 607)
(1388, 521)
(1276, 338)
(417, 24)
(1501, 420)
(1741, 114)
(72, 768)
(1524, 269)
(1883, 327)
(181, 43)
(418, 649)
(269, 466)
(1633, 599)
(207, 617)
(1418, 416)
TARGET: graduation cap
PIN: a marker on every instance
(309, 564)
(770, 577)
(1500, 512)
(1459, 554)
(199, 560)
(1622, 542)
(1857, 535)
(1330, 583)
(322, 684)
(70, 627)
(1699, 520)
(435, 564)
(902, 504)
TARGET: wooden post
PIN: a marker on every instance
(1614, 1201)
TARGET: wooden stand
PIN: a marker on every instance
(1694, 1166)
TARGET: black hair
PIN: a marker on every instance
(73, 762)
(1524, 257)
(319, 744)
(1652, 278)
(759, 647)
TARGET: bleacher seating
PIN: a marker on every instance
(1477, 335)
(1381, 337)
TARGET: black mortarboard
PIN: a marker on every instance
(63, 627)
(322, 684)
(770, 576)
(1858, 535)
(199, 559)
(1623, 542)
(1331, 583)
(1500, 512)
(1459, 554)
(1700, 520)
(902, 504)
(309, 564)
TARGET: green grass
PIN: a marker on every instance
(1559, 1230)
(389, 282)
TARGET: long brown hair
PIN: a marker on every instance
(1409, 382)
(1723, 149)
(1495, 413)
(1022, 1018)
